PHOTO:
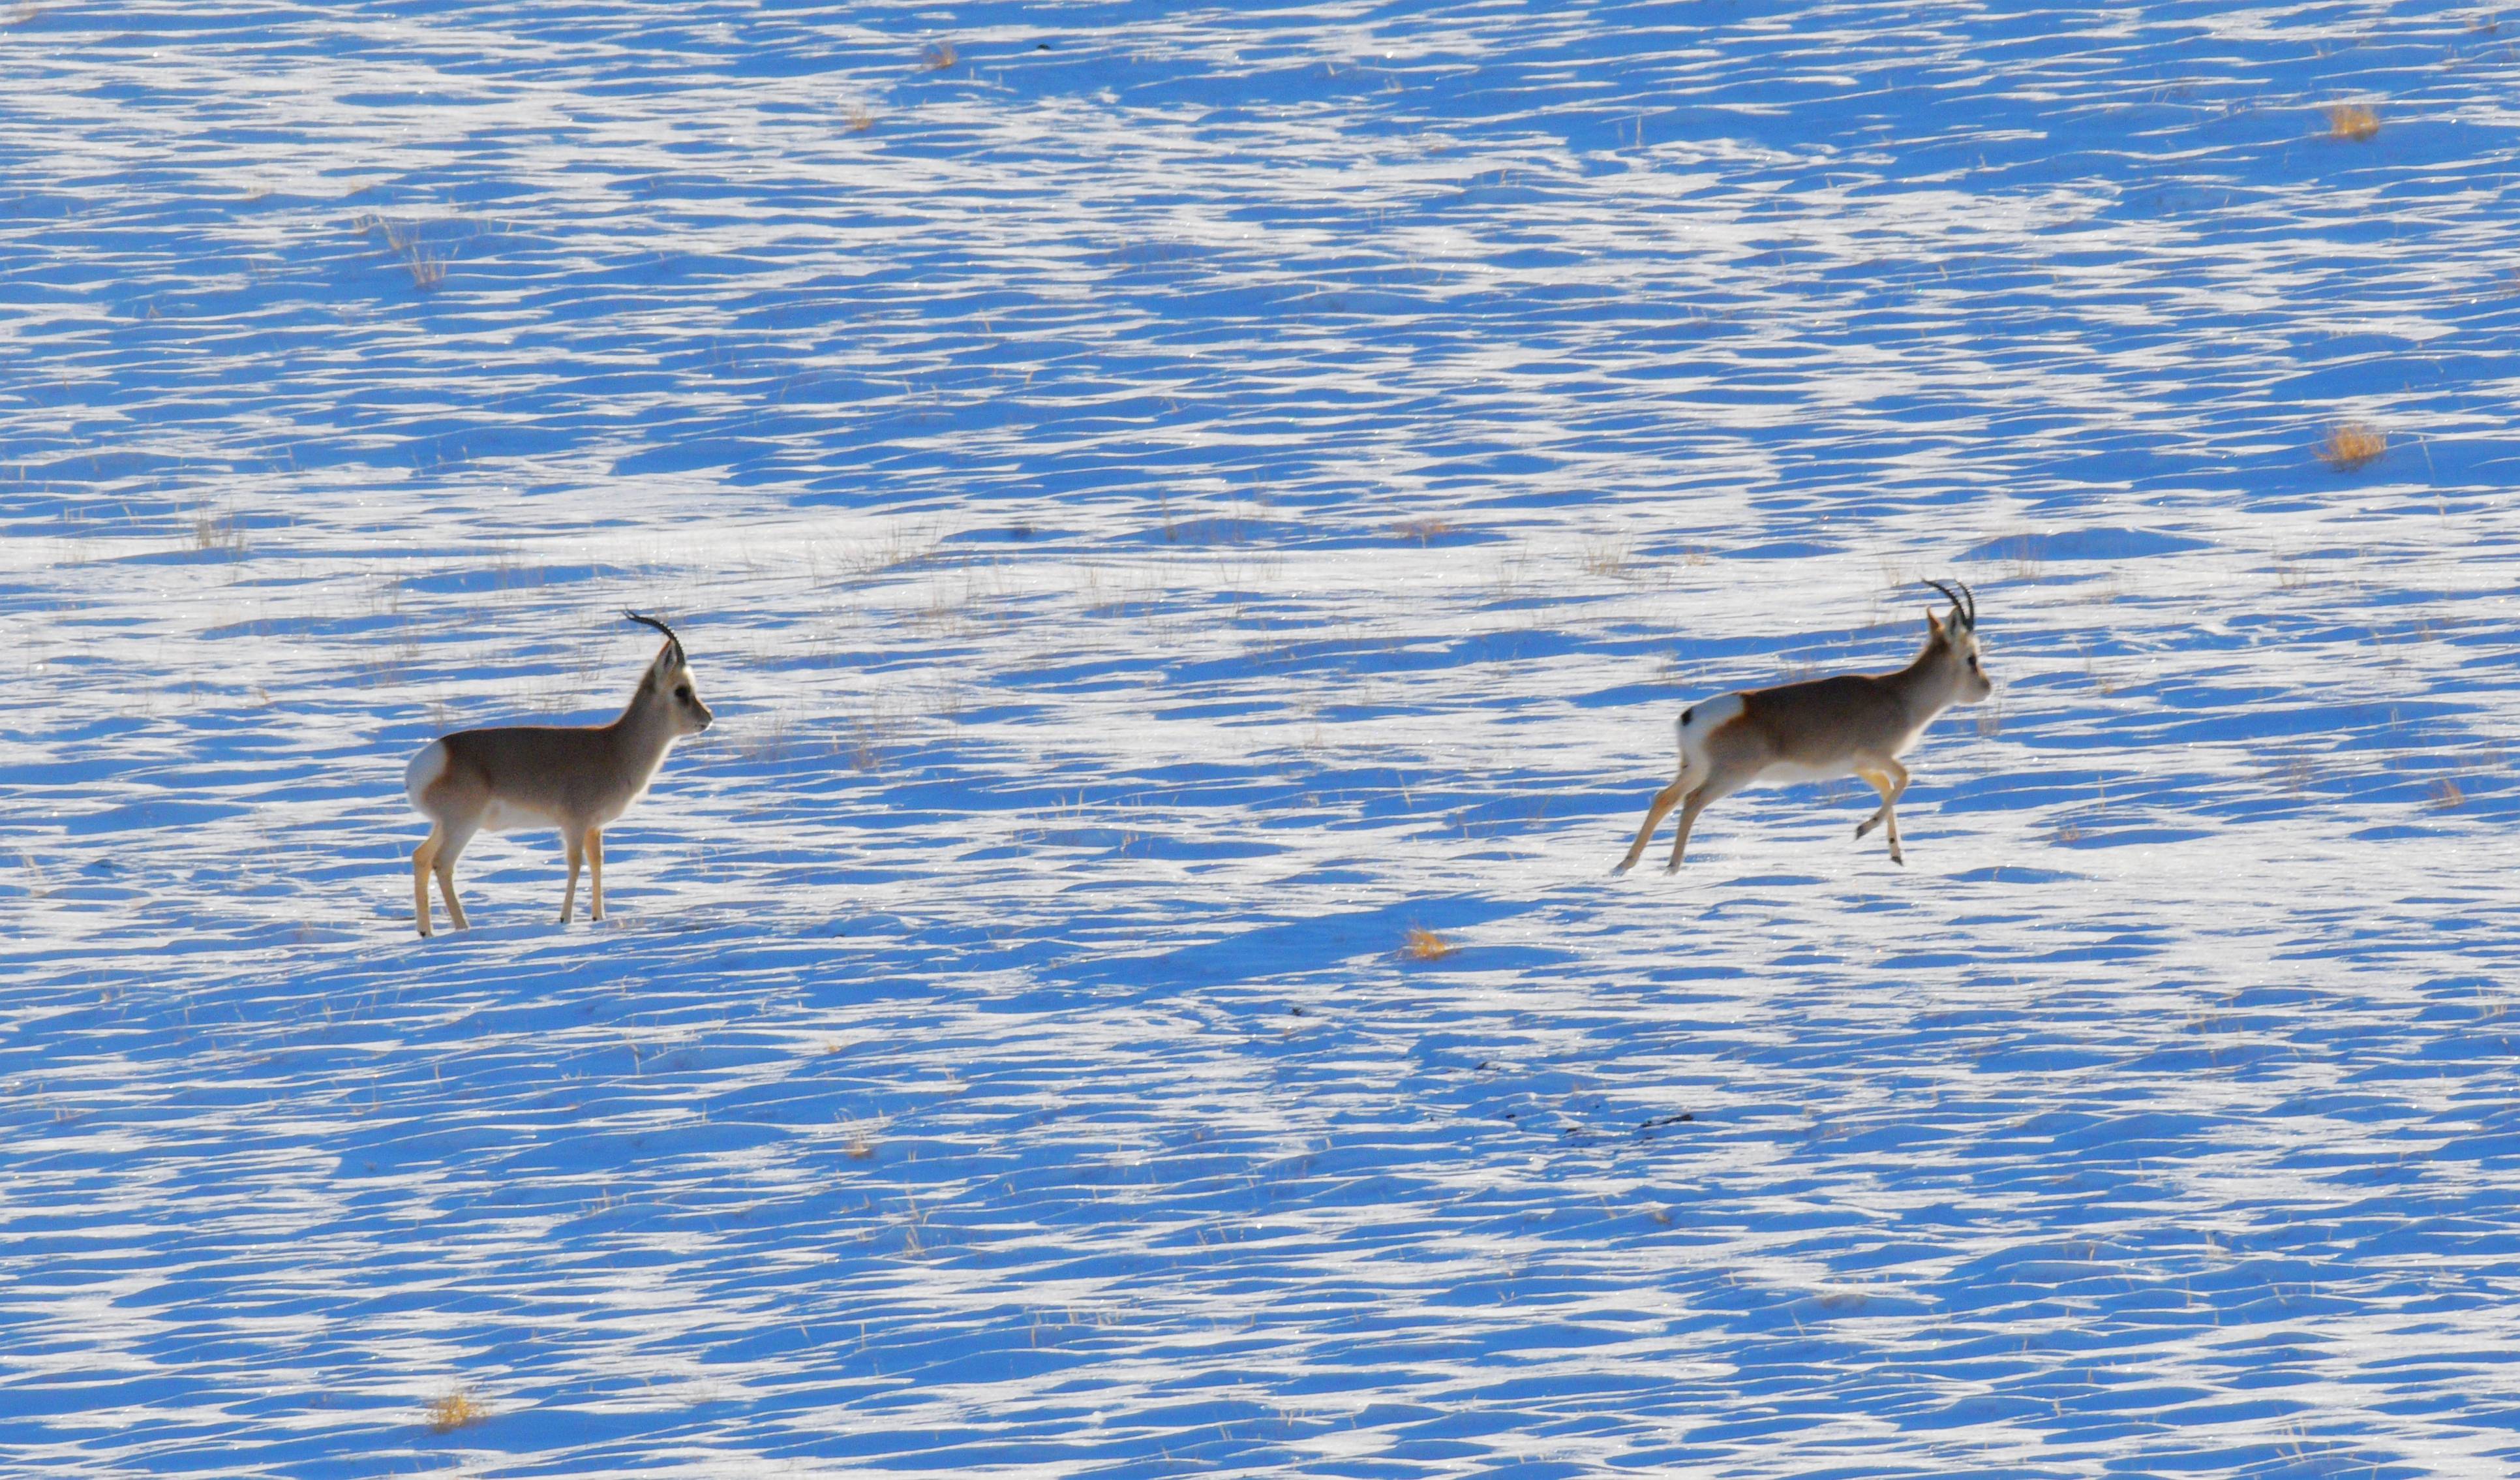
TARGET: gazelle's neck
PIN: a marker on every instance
(1929, 684)
(646, 730)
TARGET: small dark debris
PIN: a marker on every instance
(1297, 1011)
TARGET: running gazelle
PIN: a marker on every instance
(1855, 724)
(575, 777)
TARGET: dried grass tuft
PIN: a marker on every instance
(425, 263)
(1422, 945)
(767, 742)
(1610, 558)
(861, 118)
(457, 1410)
(871, 738)
(217, 532)
(1422, 530)
(938, 56)
(2349, 448)
(2447, 796)
(2351, 121)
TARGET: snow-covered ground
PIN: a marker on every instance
(1166, 503)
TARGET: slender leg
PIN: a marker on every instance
(1881, 784)
(1890, 779)
(448, 851)
(423, 859)
(1696, 804)
(577, 843)
(1663, 802)
(595, 862)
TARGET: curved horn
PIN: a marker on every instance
(660, 626)
(1966, 609)
(1972, 601)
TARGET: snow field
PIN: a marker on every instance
(1160, 519)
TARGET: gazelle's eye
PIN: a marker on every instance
(685, 692)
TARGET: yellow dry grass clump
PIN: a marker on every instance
(1426, 945)
(2347, 448)
(2351, 121)
(457, 1410)
(1422, 530)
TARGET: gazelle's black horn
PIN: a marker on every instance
(669, 631)
(1967, 609)
(1972, 600)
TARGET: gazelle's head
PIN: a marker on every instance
(668, 683)
(1951, 645)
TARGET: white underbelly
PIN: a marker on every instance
(508, 816)
(1787, 772)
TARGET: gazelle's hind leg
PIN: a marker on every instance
(1720, 780)
(423, 859)
(595, 866)
(1697, 801)
(1663, 802)
(450, 849)
(576, 844)
(1890, 779)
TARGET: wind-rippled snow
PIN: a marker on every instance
(1166, 503)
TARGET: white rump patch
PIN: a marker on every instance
(424, 771)
(1700, 720)
(1706, 713)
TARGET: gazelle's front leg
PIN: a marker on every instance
(576, 844)
(1890, 779)
(1663, 802)
(595, 873)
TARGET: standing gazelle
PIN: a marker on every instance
(574, 777)
(1855, 724)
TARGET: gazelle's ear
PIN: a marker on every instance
(1934, 630)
